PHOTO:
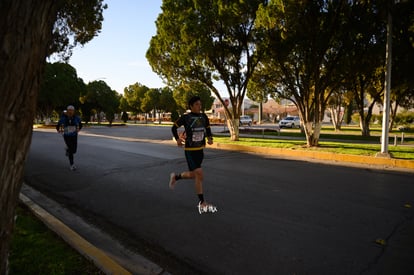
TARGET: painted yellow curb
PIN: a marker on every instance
(97, 256)
(326, 156)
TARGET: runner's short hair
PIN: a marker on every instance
(193, 100)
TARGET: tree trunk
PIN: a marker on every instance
(25, 35)
(232, 110)
(364, 125)
(312, 133)
(349, 109)
(260, 112)
(393, 115)
(98, 116)
(365, 119)
(233, 125)
(336, 118)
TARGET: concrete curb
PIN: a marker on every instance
(322, 156)
(98, 257)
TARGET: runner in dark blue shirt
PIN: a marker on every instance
(197, 129)
(69, 125)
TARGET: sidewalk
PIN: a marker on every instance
(95, 245)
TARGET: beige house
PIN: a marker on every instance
(272, 111)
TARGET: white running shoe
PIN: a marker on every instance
(73, 167)
(206, 208)
(172, 182)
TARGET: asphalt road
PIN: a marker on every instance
(275, 216)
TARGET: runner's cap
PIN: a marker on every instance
(70, 107)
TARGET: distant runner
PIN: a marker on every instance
(69, 125)
(197, 128)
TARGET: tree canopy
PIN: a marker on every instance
(304, 48)
(207, 41)
(151, 100)
(184, 92)
(134, 95)
(60, 87)
(402, 93)
(77, 22)
(303, 51)
(166, 100)
(364, 64)
(99, 97)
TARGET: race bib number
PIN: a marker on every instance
(70, 129)
(198, 134)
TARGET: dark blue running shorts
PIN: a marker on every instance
(194, 159)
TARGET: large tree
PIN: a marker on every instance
(30, 30)
(150, 102)
(402, 93)
(336, 104)
(101, 98)
(166, 101)
(304, 49)
(365, 60)
(368, 89)
(207, 41)
(133, 95)
(60, 87)
(365, 66)
(185, 91)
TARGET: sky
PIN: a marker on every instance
(117, 54)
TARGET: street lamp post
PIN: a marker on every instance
(387, 93)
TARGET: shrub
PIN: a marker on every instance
(404, 118)
(215, 120)
(355, 118)
(377, 119)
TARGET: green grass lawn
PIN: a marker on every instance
(346, 141)
(352, 133)
(400, 152)
(37, 250)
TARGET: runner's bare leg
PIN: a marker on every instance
(197, 174)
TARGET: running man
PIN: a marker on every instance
(69, 125)
(197, 127)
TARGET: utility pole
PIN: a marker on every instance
(387, 93)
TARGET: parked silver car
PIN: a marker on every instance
(246, 120)
(290, 122)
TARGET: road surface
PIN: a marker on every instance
(275, 216)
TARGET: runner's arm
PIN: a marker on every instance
(209, 134)
(80, 124)
(60, 122)
(177, 125)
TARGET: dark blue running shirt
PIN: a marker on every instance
(197, 128)
(71, 125)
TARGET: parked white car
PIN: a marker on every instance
(246, 120)
(290, 122)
